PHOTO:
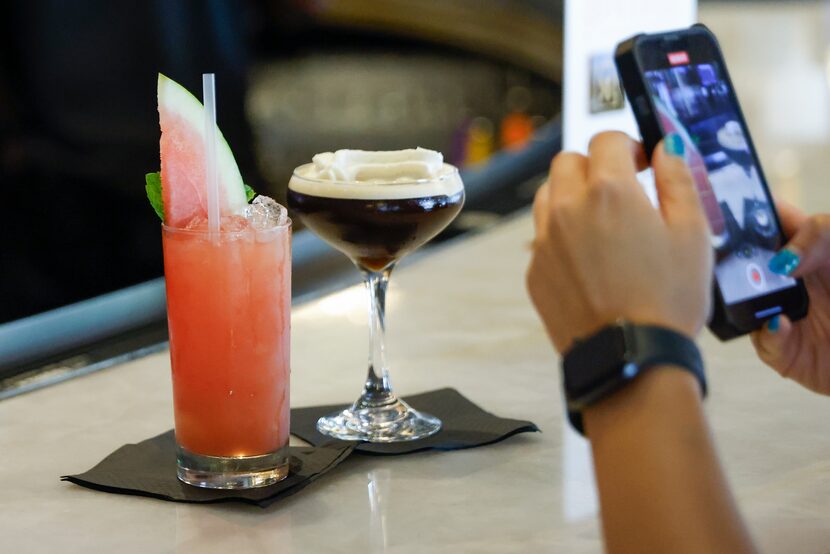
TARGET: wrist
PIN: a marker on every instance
(657, 397)
(618, 355)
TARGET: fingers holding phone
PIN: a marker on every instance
(808, 248)
(801, 350)
(602, 252)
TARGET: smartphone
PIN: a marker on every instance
(677, 82)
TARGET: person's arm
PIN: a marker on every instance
(660, 484)
(603, 253)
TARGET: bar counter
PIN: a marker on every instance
(457, 317)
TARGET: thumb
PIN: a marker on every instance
(771, 343)
(808, 250)
(675, 185)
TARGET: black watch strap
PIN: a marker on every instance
(605, 362)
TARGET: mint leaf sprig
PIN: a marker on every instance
(250, 193)
(153, 188)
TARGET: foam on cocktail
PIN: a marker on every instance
(365, 175)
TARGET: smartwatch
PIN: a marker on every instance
(605, 362)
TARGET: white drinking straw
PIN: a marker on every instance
(212, 179)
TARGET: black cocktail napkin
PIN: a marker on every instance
(149, 469)
(464, 425)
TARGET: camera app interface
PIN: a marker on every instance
(694, 101)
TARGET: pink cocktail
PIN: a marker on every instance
(228, 304)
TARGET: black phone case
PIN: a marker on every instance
(634, 85)
(633, 81)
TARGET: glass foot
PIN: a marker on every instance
(219, 472)
(393, 422)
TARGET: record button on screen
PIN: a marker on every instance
(755, 276)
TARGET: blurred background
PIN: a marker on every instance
(79, 127)
(479, 80)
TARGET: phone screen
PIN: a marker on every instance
(694, 100)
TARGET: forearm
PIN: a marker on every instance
(661, 487)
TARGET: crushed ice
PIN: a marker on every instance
(265, 212)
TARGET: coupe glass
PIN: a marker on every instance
(375, 226)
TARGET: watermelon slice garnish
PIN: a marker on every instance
(183, 186)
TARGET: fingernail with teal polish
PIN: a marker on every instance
(772, 324)
(674, 145)
(784, 262)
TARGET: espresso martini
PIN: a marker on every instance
(383, 216)
(376, 207)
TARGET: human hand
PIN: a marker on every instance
(602, 252)
(801, 351)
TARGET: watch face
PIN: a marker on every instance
(593, 363)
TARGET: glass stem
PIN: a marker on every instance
(377, 391)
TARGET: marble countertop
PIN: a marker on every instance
(458, 317)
